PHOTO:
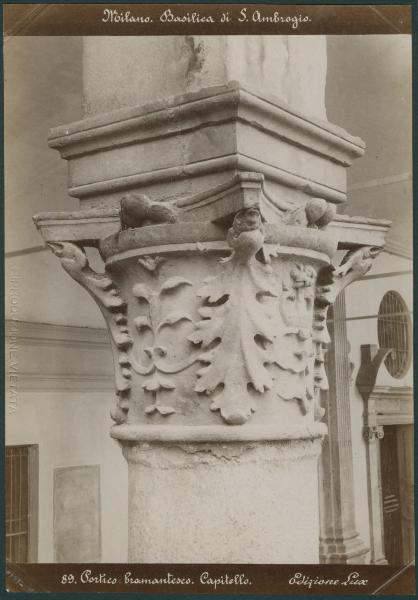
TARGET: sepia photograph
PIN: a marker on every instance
(208, 297)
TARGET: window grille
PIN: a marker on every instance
(394, 332)
(17, 503)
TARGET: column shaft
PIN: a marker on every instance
(226, 503)
(340, 541)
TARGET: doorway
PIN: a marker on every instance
(396, 460)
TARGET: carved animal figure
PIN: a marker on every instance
(246, 236)
(137, 210)
(357, 262)
(319, 212)
(246, 219)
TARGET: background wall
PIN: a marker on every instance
(65, 382)
(43, 83)
(65, 393)
(369, 93)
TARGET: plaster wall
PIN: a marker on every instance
(369, 94)
(71, 429)
(42, 89)
(64, 395)
(37, 289)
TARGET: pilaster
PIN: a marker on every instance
(339, 539)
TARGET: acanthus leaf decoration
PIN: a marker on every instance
(140, 290)
(113, 307)
(151, 263)
(293, 348)
(174, 317)
(156, 383)
(173, 282)
(142, 322)
(235, 332)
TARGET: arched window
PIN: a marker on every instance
(394, 331)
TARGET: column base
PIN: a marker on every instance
(379, 561)
(345, 551)
(236, 502)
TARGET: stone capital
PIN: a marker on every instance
(373, 432)
(215, 305)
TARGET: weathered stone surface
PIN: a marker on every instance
(222, 337)
(90, 226)
(339, 540)
(77, 514)
(223, 503)
(293, 68)
(176, 146)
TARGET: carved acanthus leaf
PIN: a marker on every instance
(174, 282)
(296, 386)
(151, 263)
(174, 317)
(293, 348)
(236, 331)
(155, 383)
(102, 289)
(142, 322)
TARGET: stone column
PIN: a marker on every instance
(208, 179)
(340, 541)
(372, 358)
